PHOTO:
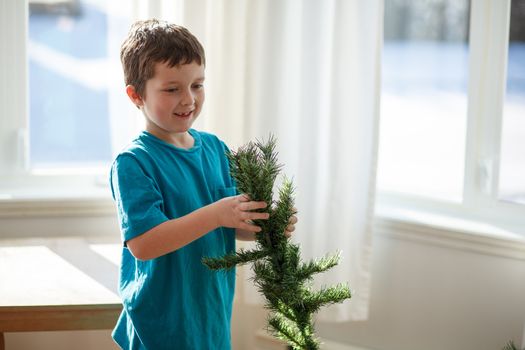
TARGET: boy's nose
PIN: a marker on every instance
(188, 99)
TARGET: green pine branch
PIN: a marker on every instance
(231, 260)
(510, 346)
(326, 296)
(287, 331)
(306, 271)
(279, 274)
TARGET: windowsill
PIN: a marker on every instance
(448, 231)
(56, 202)
(397, 222)
(39, 194)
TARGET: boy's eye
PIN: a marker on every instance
(198, 86)
(171, 90)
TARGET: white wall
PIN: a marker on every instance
(430, 297)
(426, 294)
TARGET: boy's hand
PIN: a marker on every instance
(237, 212)
(291, 225)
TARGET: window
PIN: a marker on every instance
(452, 130)
(71, 114)
(68, 88)
(424, 97)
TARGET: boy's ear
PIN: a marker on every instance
(134, 96)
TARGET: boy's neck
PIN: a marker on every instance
(182, 140)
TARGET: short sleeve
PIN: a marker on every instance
(137, 196)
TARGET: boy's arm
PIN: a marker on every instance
(235, 212)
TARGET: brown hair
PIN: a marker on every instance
(152, 41)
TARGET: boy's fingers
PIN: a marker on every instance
(259, 216)
(293, 220)
(247, 206)
(250, 216)
(243, 198)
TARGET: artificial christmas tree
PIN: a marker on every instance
(280, 275)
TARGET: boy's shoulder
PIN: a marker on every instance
(136, 146)
(209, 139)
(137, 151)
(207, 136)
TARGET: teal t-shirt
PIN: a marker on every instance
(174, 301)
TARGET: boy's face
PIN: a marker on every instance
(172, 99)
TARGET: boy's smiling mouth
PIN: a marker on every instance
(184, 115)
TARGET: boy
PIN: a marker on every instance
(176, 201)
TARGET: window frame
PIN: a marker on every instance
(37, 194)
(67, 202)
(488, 55)
(13, 100)
(32, 187)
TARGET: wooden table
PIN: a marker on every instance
(57, 284)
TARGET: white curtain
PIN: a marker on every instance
(308, 72)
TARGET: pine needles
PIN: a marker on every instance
(510, 346)
(280, 275)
